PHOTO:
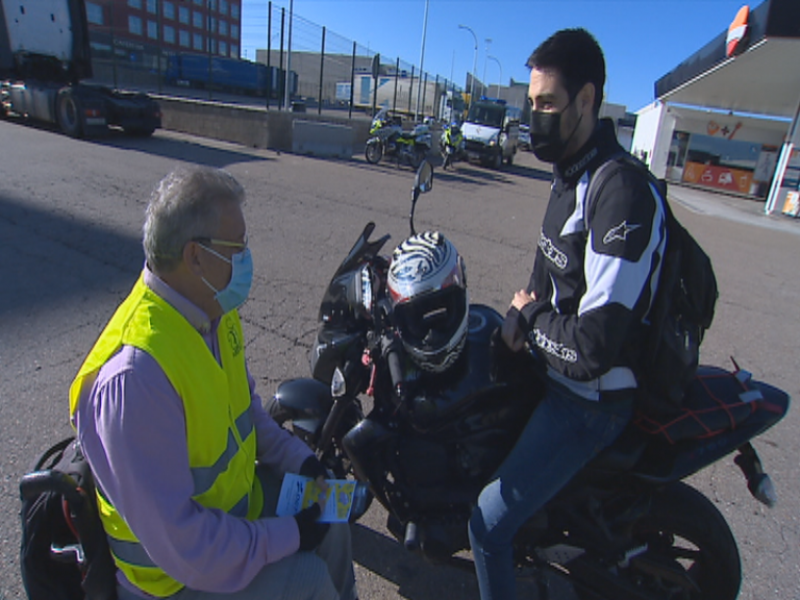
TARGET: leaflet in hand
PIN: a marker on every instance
(298, 492)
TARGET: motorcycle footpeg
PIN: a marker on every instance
(411, 539)
(763, 490)
(758, 482)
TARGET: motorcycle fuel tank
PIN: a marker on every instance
(477, 383)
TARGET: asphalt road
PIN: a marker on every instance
(70, 222)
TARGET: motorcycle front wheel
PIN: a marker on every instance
(373, 152)
(417, 156)
(690, 554)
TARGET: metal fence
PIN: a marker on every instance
(327, 71)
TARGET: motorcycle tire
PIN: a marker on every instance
(373, 152)
(417, 156)
(691, 553)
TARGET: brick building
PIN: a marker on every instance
(136, 29)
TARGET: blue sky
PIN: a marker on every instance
(642, 39)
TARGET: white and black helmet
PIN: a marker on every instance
(428, 291)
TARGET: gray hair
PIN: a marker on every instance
(185, 205)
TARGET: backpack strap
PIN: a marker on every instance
(598, 181)
(611, 167)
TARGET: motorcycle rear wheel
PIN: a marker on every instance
(373, 152)
(691, 552)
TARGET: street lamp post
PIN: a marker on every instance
(488, 41)
(501, 73)
(421, 109)
(474, 62)
(287, 95)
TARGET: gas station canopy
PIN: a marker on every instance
(753, 69)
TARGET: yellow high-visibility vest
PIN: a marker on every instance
(220, 434)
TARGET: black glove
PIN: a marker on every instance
(312, 468)
(312, 532)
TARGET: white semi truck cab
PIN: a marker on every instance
(44, 55)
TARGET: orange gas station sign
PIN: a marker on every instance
(723, 178)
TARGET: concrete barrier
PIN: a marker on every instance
(257, 127)
(322, 139)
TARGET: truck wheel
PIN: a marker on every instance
(497, 160)
(69, 113)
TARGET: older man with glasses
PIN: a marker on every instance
(186, 461)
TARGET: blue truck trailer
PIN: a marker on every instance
(233, 75)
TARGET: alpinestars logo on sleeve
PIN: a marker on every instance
(557, 349)
(619, 232)
(556, 256)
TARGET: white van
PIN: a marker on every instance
(491, 132)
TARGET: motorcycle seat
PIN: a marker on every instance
(622, 454)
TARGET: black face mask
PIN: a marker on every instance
(545, 130)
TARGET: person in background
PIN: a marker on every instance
(187, 462)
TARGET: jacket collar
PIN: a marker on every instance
(598, 148)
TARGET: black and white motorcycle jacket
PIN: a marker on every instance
(595, 271)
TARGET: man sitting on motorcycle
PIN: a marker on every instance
(453, 138)
(593, 281)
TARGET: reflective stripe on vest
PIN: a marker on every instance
(220, 435)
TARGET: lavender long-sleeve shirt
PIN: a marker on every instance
(131, 426)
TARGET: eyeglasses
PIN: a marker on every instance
(223, 243)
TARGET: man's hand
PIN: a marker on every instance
(521, 298)
(511, 334)
(311, 467)
(311, 531)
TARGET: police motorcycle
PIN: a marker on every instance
(387, 138)
(451, 144)
(448, 401)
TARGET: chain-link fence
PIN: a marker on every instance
(185, 48)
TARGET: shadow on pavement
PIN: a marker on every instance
(176, 149)
(47, 256)
(419, 579)
(415, 578)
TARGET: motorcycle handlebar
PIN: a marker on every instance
(390, 349)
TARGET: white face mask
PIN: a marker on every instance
(234, 294)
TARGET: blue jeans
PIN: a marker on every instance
(564, 432)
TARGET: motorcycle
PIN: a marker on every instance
(627, 526)
(451, 145)
(388, 138)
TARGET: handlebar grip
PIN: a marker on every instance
(395, 370)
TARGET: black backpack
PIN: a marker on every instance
(64, 552)
(682, 309)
